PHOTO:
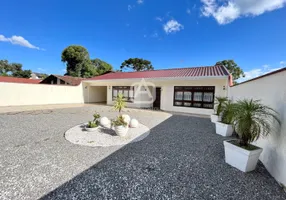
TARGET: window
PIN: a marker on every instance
(194, 96)
(127, 91)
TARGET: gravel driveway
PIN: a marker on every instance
(182, 158)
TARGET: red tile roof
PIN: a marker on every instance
(9, 79)
(209, 71)
(70, 79)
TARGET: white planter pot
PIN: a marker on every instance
(223, 129)
(121, 130)
(215, 118)
(242, 159)
(90, 129)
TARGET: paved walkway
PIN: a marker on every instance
(182, 158)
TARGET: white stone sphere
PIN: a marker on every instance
(104, 121)
(126, 118)
(134, 123)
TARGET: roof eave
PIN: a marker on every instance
(158, 79)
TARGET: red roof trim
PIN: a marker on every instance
(8, 79)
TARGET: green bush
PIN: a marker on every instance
(252, 119)
(228, 112)
(220, 103)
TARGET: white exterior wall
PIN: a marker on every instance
(15, 94)
(167, 92)
(167, 95)
(272, 91)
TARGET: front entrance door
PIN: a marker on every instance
(157, 102)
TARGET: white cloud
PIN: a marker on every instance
(226, 11)
(140, 1)
(159, 19)
(188, 11)
(282, 63)
(172, 26)
(19, 40)
(257, 72)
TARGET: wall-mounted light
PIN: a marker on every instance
(223, 87)
(85, 87)
(109, 87)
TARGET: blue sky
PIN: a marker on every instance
(169, 33)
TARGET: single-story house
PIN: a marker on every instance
(62, 80)
(190, 90)
(36, 75)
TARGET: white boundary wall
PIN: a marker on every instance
(16, 94)
(272, 92)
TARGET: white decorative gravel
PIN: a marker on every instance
(104, 137)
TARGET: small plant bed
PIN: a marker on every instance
(93, 125)
(104, 137)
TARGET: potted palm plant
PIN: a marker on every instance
(219, 102)
(252, 120)
(225, 127)
(93, 125)
(120, 124)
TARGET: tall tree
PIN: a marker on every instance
(13, 69)
(233, 68)
(77, 61)
(101, 66)
(137, 64)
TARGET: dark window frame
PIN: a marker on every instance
(193, 89)
(123, 88)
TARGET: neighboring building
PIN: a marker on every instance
(62, 80)
(9, 79)
(190, 90)
(36, 75)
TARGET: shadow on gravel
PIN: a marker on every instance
(182, 158)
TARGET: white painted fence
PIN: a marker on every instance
(15, 94)
(271, 90)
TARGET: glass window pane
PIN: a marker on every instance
(208, 97)
(208, 105)
(125, 93)
(179, 95)
(114, 93)
(188, 96)
(177, 103)
(187, 104)
(198, 96)
(197, 105)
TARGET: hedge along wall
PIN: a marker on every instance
(16, 94)
(271, 90)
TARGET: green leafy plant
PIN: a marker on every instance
(120, 103)
(119, 121)
(92, 124)
(252, 119)
(95, 122)
(220, 103)
(228, 112)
